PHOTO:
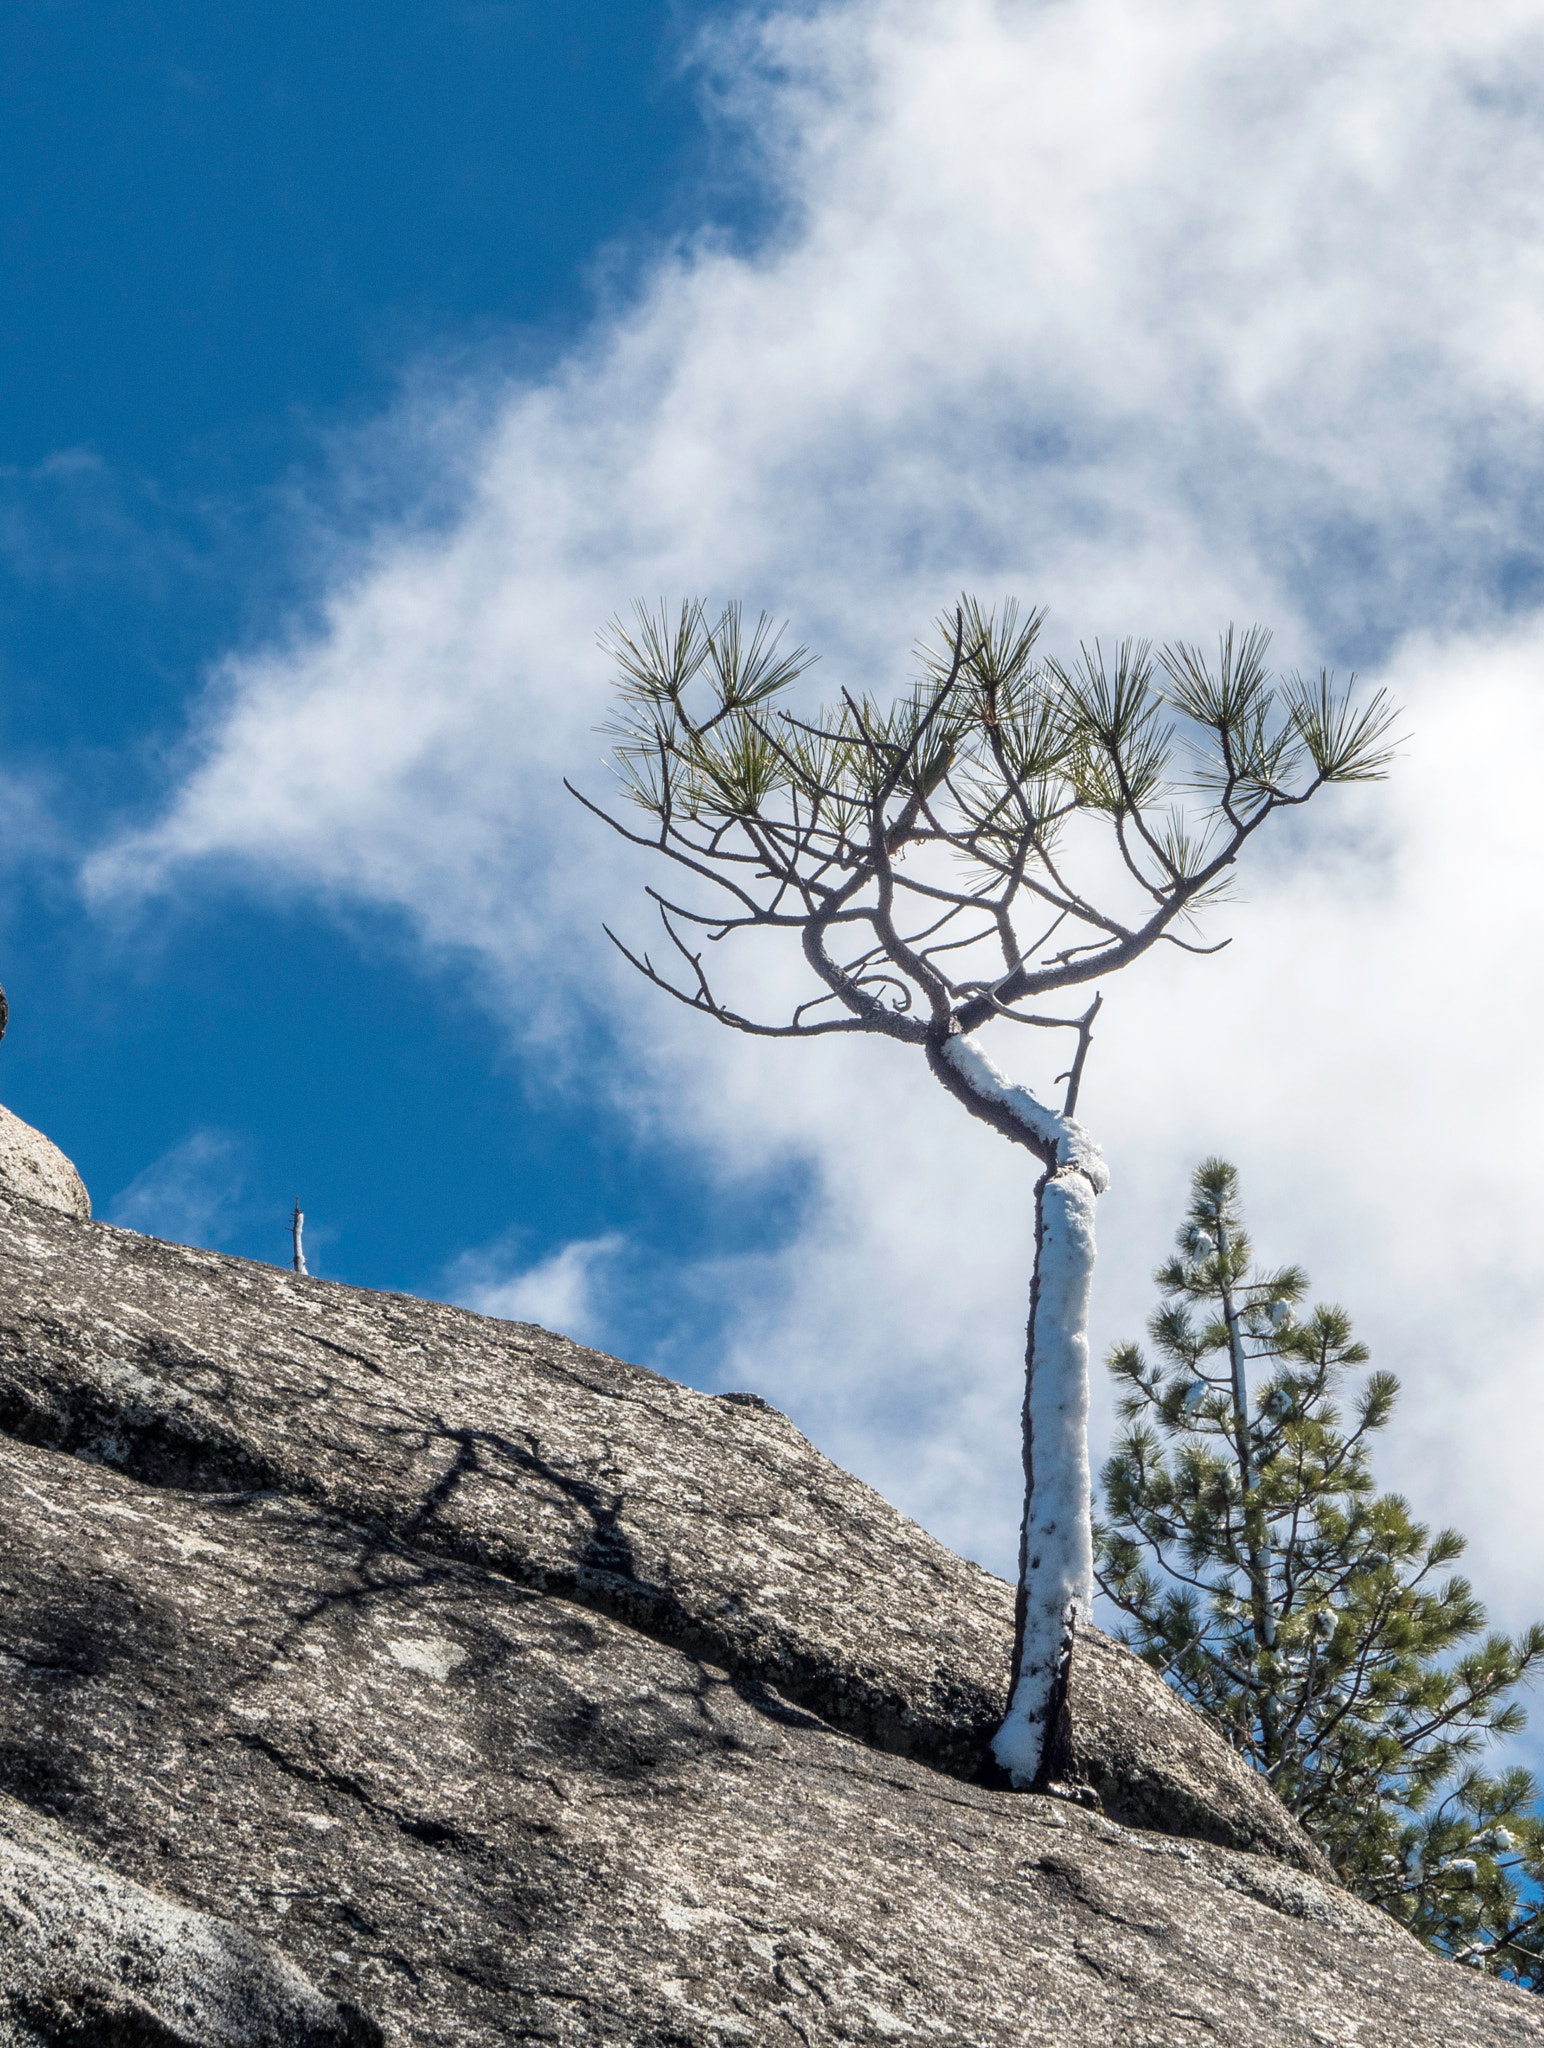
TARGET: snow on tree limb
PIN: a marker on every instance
(927, 854)
(1063, 1136)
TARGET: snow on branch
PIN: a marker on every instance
(1005, 829)
(1070, 1142)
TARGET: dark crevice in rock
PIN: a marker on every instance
(1072, 1878)
(154, 1448)
(342, 1351)
(309, 1774)
(164, 1452)
(436, 1834)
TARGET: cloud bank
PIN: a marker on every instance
(1162, 313)
(560, 1292)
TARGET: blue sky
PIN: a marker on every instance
(229, 236)
(358, 363)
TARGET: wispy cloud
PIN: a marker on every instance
(1163, 312)
(561, 1292)
(192, 1194)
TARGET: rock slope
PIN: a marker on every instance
(511, 1693)
(90, 1957)
(33, 1166)
(706, 1521)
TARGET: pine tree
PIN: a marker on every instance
(1302, 1611)
(1006, 829)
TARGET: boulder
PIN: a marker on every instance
(510, 1693)
(34, 1168)
(707, 1521)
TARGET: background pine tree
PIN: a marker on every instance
(1305, 1613)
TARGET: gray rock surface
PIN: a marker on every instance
(33, 1167)
(87, 1956)
(495, 1685)
(709, 1522)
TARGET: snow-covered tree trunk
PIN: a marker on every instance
(1056, 1551)
(1056, 1558)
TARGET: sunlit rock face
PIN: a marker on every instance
(500, 1691)
(92, 1957)
(34, 1168)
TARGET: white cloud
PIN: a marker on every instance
(558, 1292)
(192, 1194)
(1365, 1051)
(1163, 312)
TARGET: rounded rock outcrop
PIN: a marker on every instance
(33, 1167)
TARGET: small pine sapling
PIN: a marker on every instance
(1302, 1611)
(1004, 830)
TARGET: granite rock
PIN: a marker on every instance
(509, 1693)
(34, 1168)
(90, 1958)
(706, 1521)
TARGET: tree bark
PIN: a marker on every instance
(1255, 1534)
(1056, 1548)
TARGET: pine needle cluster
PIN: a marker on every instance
(924, 847)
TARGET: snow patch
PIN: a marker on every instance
(435, 1656)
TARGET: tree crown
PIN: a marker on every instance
(933, 853)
